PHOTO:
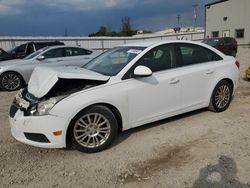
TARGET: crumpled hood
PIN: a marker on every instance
(44, 78)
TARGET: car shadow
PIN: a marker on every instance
(126, 134)
(220, 175)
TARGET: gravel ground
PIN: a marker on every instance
(197, 149)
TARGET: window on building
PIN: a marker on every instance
(215, 34)
(239, 33)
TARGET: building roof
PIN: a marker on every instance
(217, 2)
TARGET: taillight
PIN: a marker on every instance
(237, 63)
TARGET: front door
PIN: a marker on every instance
(152, 98)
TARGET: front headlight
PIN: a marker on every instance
(44, 107)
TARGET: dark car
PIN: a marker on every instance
(4, 55)
(227, 45)
(24, 50)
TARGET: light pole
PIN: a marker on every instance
(178, 19)
(195, 6)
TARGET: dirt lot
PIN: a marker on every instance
(198, 149)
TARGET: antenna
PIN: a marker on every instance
(195, 7)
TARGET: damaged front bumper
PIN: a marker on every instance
(36, 130)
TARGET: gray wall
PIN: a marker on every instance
(238, 17)
(98, 43)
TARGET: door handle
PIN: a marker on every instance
(59, 60)
(209, 71)
(173, 81)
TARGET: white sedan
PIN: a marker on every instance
(125, 87)
(15, 74)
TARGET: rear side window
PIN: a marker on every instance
(76, 52)
(228, 40)
(193, 54)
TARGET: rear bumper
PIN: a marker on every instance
(34, 130)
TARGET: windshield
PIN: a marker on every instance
(211, 42)
(113, 61)
(12, 50)
(34, 54)
(2, 52)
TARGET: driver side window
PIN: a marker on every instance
(159, 58)
(54, 53)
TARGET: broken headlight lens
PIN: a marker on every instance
(44, 107)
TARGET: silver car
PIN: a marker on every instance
(14, 74)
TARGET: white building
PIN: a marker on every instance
(228, 18)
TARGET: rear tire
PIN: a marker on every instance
(11, 81)
(93, 130)
(221, 97)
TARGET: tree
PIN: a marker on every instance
(103, 31)
(126, 27)
(126, 30)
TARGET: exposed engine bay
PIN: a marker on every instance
(28, 103)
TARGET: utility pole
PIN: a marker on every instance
(66, 32)
(195, 7)
(178, 19)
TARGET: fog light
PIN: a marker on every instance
(57, 133)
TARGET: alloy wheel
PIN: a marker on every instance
(92, 130)
(11, 81)
(222, 96)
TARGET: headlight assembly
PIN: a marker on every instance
(44, 107)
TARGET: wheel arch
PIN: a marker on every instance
(228, 80)
(111, 107)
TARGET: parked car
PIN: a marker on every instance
(248, 74)
(15, 74)
(24, 50)
(227, 45)
(4, 55)
(125, 87)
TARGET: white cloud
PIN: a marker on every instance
(87, 4)
(10, 7)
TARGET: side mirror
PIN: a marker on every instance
(142, 71)
(40, 58)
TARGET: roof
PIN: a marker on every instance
(217, 2)
(141, 43)
(158, 42)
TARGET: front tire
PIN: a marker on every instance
(11, 81)
(93, 130)
(221, 97)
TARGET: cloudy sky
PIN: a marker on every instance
(82, 17)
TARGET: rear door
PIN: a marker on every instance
(77, 56)
(196, 69)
